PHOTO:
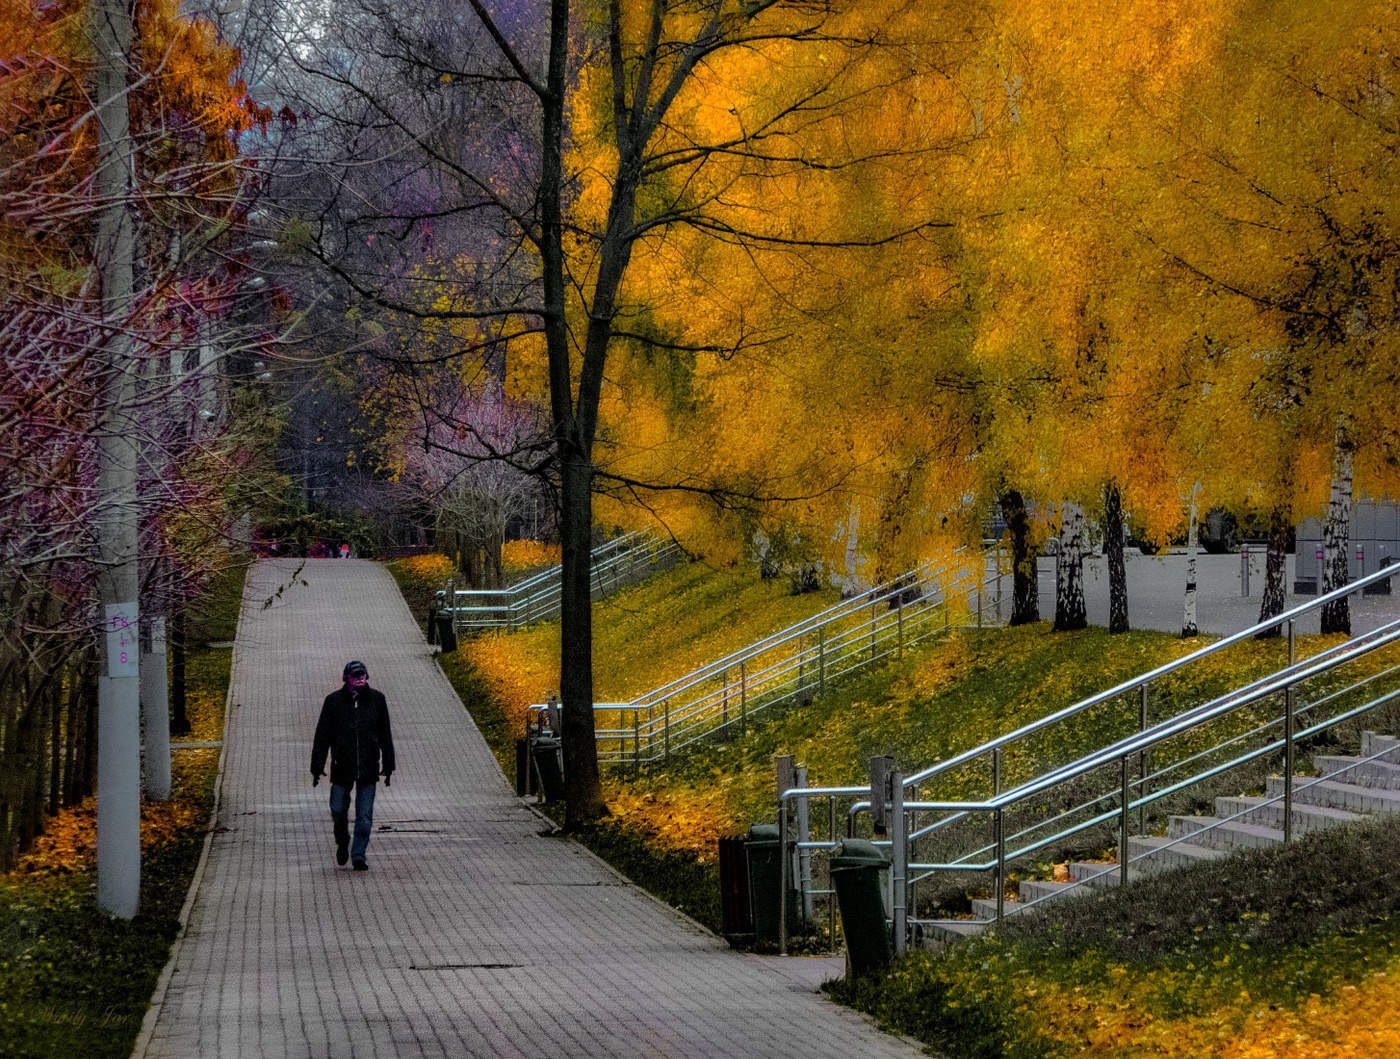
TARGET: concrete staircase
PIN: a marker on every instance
(1356, 787)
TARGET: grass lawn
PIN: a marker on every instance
(74, 981)
(1102, 977)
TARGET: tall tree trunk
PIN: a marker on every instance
(91, 692)
(1070, 611)
(1275, 570)
(1336, 536)
(582, 788)
(116, 521)
(1113, 551)
(155, 704)
(74, 732)
(1025, 583)
(179, 709)
(1193, 544)
(56, 746)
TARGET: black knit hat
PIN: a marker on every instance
(354, 669)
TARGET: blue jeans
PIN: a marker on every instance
(364, 816)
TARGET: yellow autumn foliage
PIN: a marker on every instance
(525, 555)
(426, 569)
(1357, 1020)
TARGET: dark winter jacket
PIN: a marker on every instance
(356, 732)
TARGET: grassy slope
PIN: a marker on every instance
(74, 981)
(1147, 987)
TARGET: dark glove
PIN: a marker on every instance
(386, 778)
(316, 778)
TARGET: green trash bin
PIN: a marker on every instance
(544, 752)
(765, 882)
(855, 875)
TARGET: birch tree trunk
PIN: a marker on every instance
(1113, 552)
(1336, 536)
(1070, 612)
(1193, 543)
(115, 522)
(1275, 569)
(1025, 585)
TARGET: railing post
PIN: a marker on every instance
(1142, 758)
(724, 685)
(831, 890)
(1125, 795)
(1288, 746)
(996, 770)
(784, 869)
(979, 604)
(872, 625)
(666, 705)
(821, 659)
(804, 856)
(899, 876)
(743, 697)
(1000, 823)
(899, 609)
(637, 740)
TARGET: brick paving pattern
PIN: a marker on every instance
(472, 934)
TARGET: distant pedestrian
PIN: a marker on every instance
(345, 551)
(354, 727)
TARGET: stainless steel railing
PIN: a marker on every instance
(1035, 805)
(796, 663)
(615, 564)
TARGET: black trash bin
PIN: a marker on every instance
(545, 754)
(447, 635)
(855, 875)
(765, 885)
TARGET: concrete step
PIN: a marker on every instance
(1209, 831)
(1269, 813)
(950, 930)
(1094, 872)
(1380, 774)
(1374, 743)
(1337, 795)
(1040, 889)
(1163, 853)
(986, 908)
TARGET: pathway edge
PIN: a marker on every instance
(157, 1002)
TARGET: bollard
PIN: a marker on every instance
(1244, 569)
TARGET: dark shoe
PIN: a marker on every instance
(361, 866)
(342, 854)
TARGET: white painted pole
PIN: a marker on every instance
(116, 516)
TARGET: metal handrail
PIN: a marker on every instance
(1137, 682)
(1164, 730)
(537, 597)
(878, 594)
(670, 726)
(1137, 746)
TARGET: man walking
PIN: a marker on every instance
(354, 727)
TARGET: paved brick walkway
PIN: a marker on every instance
(472, 934)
